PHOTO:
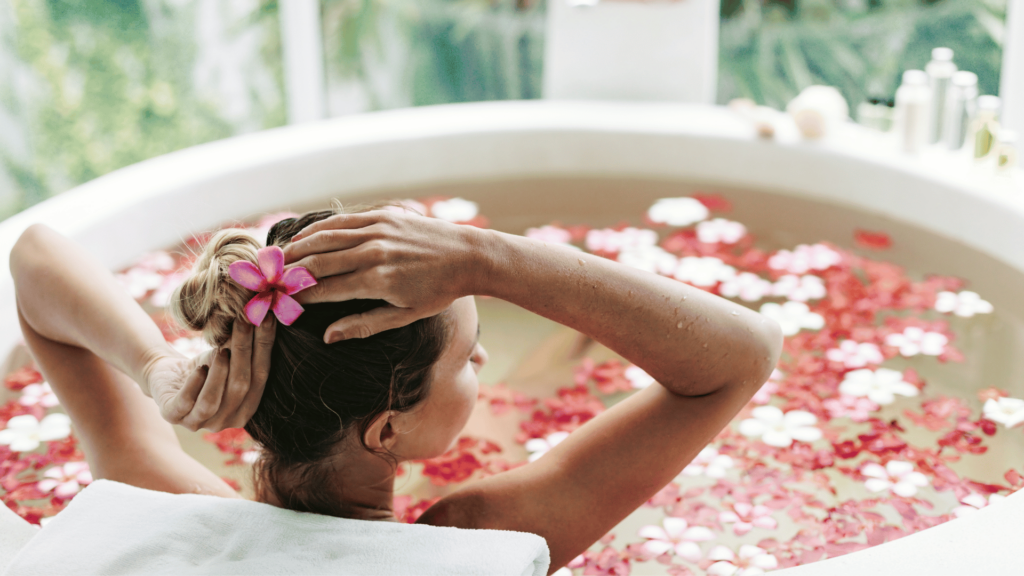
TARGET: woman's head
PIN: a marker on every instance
(402, 394)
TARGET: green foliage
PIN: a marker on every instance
(107, 89)
(771, 51)
(416, 52)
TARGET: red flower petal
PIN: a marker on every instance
(297, 279)
(271, 261)
(257, 308)
(872, 240)
(286, 308)
(248, 275)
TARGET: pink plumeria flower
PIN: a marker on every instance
(974, 502)
(552, 234)
(38, 395)
(750, 561)
(745, 517)
(65, 481)
(538, 447)
(805, 258)
(721, 231)
(638, 378)
(747, 286)
(897, 476)
(965, 304)
(780, 430)
(799, 288)
(855, 408)
(880, 386)
(273, 284)
(608, 240)
(855, 354)
(455, 210)
(676, 536)
(677, 211)
(709, 463)
(914, 341)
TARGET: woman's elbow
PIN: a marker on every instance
(27, 250)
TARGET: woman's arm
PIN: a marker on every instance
(709, 355)
(67, 297)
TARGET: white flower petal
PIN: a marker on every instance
(805, 434)
(800, 418)
(874, 470)
(674, 527)
(905, 489)
(688, 551)
(721, 552)
(722, 568)
(899, 468)
(748, 551)
(777, 438)
(750, 427)
(653, 532)
(877, 485)
(768, 414)
(698, 534)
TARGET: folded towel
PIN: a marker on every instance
(113, 528)
(15, 532)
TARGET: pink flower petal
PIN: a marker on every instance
(47, 485)
(286, 308)
(257, 308)
(742, 508)
(248, 275)
(653, 532)
(271, 261)
(297, 279)
(766, 522)
(741, 528)
(656, 547)
(728, 517)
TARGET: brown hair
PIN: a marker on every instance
(316, 393)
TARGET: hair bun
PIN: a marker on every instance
(209, 301)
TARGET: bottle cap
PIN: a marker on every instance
(915, 78)
(944, 54)
(991, 103)
(965, 78)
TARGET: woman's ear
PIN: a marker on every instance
(381, 433)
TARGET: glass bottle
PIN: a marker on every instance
(961, 106)
(911, 113)
(940, 73)
(984, 127)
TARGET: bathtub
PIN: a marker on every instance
(528, 160)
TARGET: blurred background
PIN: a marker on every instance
(90, 86)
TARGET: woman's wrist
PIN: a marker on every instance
(149, 360)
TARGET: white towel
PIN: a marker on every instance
(113, 528)
(15, 532)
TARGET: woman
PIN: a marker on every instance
(394, 376)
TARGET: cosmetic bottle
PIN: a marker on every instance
(1005, 151)
(984, 127)
(961, 106)
(940, 73)
(911, 114)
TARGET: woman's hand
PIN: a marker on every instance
(218, 389)
(419, 265)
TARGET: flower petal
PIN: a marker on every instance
(767, 414)
(257, 308)
(674, 527)
(752, 427)
(248, 275)
(899, 468)
(721, 552)
(777, 438)
(698, 534)
(286, 308)
(722, 569)
(748, 551)
(874, 470)
(905, 489)
(805, 433)
(653, 532)
(795, 418)
(656, 547)
(877, 485)
(271, 261)
(297, 279)
(688, 551)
